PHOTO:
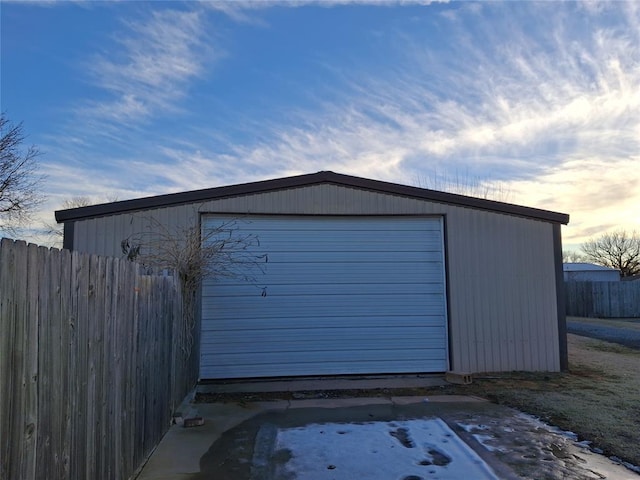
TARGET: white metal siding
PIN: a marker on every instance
(343, 295)
(502, 286)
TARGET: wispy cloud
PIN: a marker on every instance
(150, 65)
(232, 7)
(553, 113)
(556, 113)
(247, 11)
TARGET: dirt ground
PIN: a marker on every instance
(598, 399)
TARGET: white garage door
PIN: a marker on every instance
(339, 295)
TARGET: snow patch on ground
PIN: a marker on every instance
(487, 440)
(403, 450)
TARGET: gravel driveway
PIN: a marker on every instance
(621, 331)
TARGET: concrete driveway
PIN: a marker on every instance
(396, 438)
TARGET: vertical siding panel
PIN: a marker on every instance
(516, 284)
(509, 320)
(542, 321)
(95, 234)
(516, 360)
(159, 216)
(547, 322)
(80, 235)
(456, 334)
(500, 253)
(119, 234)
(504, 316)
(550, 332)
(303, 199)
(521, 306)
(490, 263)
(458, 306)
(104, 238)
(183, 217)
(460, 301)
(546, 328)
(339, 200)
(465, 257)
(489, 292)
(475, 276)
(553, 337)
(327, 196)
(531, 302)
(510, 362)
(529, 311)
(502, 324)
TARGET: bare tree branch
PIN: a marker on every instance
(466, 185)
(194, 256)
(19, 178)
(620, 250)
(572, 257)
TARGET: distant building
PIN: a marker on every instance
(589, 272)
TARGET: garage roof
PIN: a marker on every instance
(323, 177)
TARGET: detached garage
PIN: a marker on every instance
(362, 277)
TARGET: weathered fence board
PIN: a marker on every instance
(89, 371)
(603, 299)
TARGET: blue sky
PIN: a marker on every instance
(537, 103)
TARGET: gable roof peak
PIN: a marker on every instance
(304, 180)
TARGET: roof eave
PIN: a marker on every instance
(263, 186)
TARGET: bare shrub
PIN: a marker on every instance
(194, 256)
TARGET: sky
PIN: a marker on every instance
(533, 103)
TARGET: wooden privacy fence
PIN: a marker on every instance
(603, 299)
(90, 369)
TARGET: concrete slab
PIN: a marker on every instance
(436, 399)
(324, 384)
(252, 441)
(339, 402)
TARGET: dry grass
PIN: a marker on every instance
(598, 399)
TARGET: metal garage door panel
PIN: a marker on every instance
(339, 295)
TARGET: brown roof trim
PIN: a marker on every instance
(171, 199)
